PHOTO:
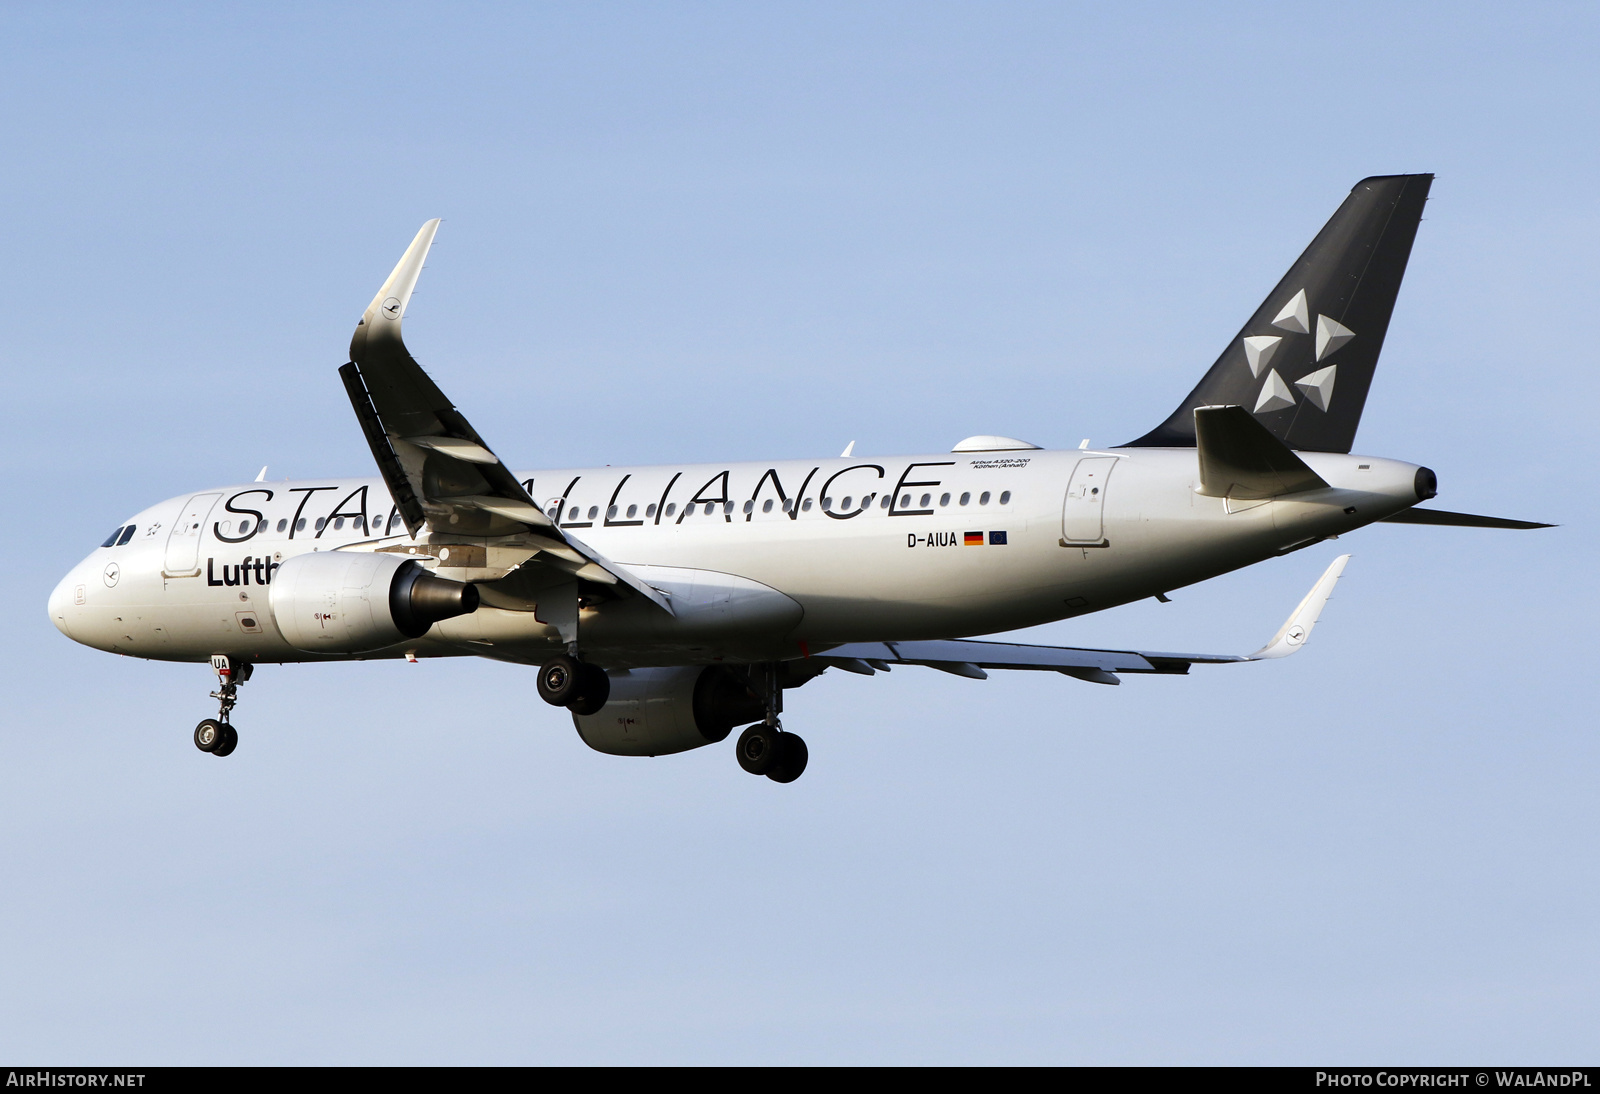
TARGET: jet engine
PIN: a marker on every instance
(353, 601)
(655, 712)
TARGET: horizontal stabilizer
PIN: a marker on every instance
(1459, 520)
(1240, 458)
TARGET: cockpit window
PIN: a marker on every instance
(127, 534)
(111, 540)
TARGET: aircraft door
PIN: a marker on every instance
(1082, 512)
(183, 542)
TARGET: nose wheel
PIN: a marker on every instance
(217, 738)
(217, 735)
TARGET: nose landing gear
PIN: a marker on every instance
(217, 735)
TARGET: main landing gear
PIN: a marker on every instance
(764, 748)
(217, 735)
(577, 685)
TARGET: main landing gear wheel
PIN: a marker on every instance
(792, 757)
(558, 680)
(578, 685)
(594, 688)
(760, 748)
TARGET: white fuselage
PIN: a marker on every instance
(762, 560)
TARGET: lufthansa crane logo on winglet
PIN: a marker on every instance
(390, 308)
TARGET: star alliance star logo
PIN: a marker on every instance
(1316, 386)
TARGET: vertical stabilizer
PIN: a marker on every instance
(1303, 364)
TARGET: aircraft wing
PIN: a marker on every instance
(964, 657)
(438, 469)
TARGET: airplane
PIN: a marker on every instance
(666, 606)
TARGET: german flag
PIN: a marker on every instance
(972, 539)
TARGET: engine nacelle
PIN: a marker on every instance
(353, 601)
(655, 712)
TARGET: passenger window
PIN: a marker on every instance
(965, 497)
(127, 534)
(983, 498)
(649, 510)
(283, 524)
(827, 503)
(573, 515)
(766, 506)
(632, 511)
(788, 505)
(727, 507)
(926, 498)
(884, 504)
(905, 501)
(672, 507)
(111, 540)
(944, 499)
(594, 511)
(749, 507)
(1005, 497)
(845, 505)
(711, 507)
(244, 527)
(300, 525)
(338, 525)
(806, 505)
(611, 513)
(321, 523)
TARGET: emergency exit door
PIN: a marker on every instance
(183, 542)
(1082, 515)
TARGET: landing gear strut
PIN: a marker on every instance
(764, 748)
(577, 685)
(217, 735)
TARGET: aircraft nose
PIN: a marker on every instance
(62, 600)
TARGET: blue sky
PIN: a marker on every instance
(706, 231)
